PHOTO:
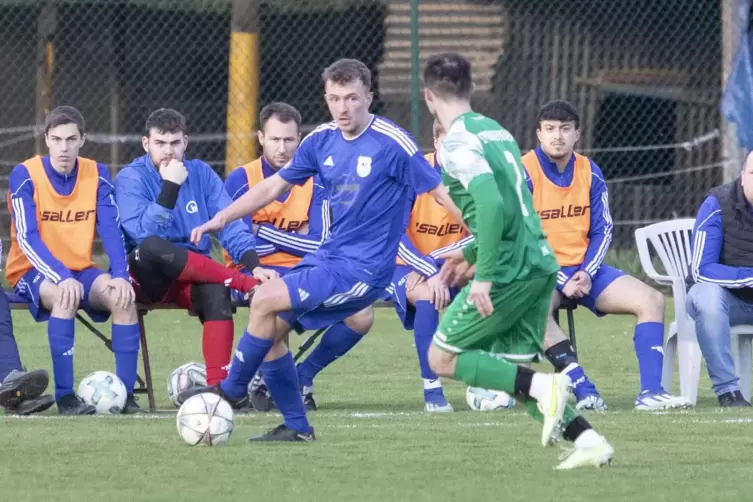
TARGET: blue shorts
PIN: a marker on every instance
(322, 295)
(28, 288)
(398, 295)
(605, 276)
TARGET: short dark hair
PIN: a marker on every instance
(283, 111)
(64, 115)
(345, 71)
(559, 110)
(449, 75)
(165, 120)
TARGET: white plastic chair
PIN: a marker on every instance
(672, 241)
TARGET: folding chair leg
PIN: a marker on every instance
(147, 365)
(308, 343)
(571, 330)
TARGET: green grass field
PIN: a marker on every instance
(374, 440)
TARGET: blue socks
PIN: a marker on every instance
(248, 357)
(125, 344)
(337, 341)
(649, 343)
(282, 380)
(427, 320)
(60, 333)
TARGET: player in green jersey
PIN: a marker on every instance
(499, 319)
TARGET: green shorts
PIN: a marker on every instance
(515, 330)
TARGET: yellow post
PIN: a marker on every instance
(243, 84)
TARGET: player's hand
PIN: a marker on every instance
(265, 274)
(71, 292)
(123, 291)
(173, 171)
(479, 296)
(578, 286)
(413, 280)
(439, 292)
(464, 277)
(454, 264)
(214, 225)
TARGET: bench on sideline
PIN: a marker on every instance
(145, 385)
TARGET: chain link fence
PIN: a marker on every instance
(646, 77)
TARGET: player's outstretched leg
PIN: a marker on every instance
(478, 368)
(179, 264)
(261, 347)
(589, 447)
(337, 341)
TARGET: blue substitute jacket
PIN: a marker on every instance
(200, 198)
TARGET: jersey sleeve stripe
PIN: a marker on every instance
(404, 141)
(33, 257)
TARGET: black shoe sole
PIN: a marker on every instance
(28, 387)
(31, 406)
(81, 411)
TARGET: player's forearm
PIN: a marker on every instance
(422, 264)
(598, 246)
(291, 243)
(113, 244)
(256, 198)
(707, 250)
(452, 247)
(489, 224)
(41, 257)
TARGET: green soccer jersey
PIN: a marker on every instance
(483, 172)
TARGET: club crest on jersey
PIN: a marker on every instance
(364, 166)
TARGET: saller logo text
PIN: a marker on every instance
(563, 212)
(67, 216)
(441, 230)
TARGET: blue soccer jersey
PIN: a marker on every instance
(370, 181)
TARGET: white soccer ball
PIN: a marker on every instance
(188, 376)
(103, 390)
(488, 400)
(205, 419)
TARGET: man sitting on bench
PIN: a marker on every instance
(162, 196)
(56, 203)
(570, 195)
(286, 230)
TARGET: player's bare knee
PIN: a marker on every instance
(361, 322)
(49, 298)
(124, 315)
(442, 363)
(420, 293)
(651, 307)
(265, 299)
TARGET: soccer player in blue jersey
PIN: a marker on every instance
(286, 230)
(371, 170)
(57, 202)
